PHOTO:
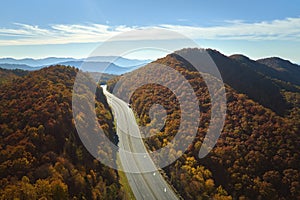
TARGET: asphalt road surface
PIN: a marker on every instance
(143, 176)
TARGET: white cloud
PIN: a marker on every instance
(24, 34)
(288, 29)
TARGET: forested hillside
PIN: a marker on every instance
(253, 79)
(7, 75)
(257, 155)
(286, 70)
(41, 155)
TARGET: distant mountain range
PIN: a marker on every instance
(34, 62)
(108, 64)
(18, 66)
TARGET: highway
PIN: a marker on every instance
(143, 176)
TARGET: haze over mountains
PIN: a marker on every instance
(274, 67)
(108, 64)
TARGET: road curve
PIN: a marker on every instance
(147, 185)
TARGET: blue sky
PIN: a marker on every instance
(68, 28)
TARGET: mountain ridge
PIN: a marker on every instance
(256, 155)
(244, 79)
(273, 67)
(56, 60)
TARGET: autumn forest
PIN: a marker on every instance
(257, 155)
